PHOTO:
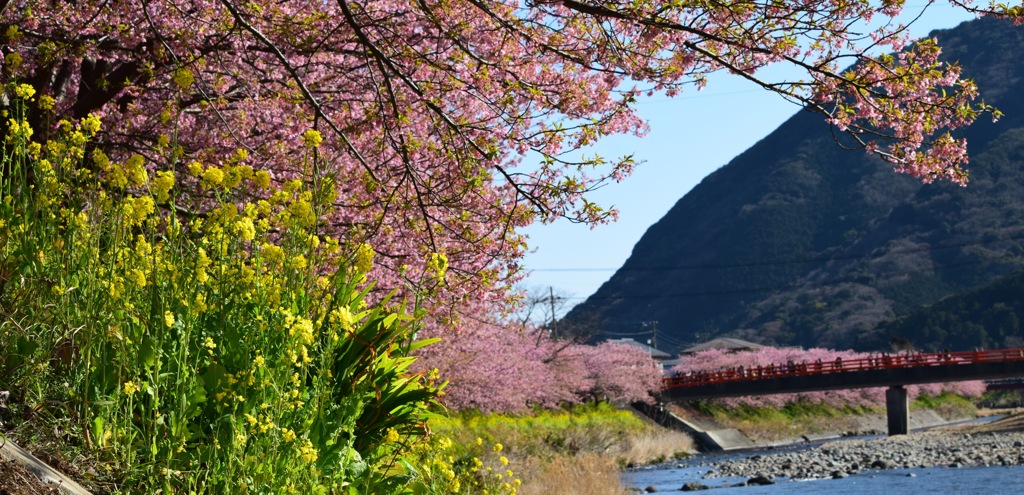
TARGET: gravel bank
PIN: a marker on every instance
(843, 458)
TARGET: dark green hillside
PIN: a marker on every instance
(797, 241)
(987, 318)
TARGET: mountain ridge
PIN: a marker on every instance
(797, 241)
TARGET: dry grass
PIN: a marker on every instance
(654, 446)
(586, 474)
(600, 473)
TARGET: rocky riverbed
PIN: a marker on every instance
(975, 444)
(843, 458)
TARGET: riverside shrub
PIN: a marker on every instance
(229, 351)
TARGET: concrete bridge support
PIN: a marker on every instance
(897, 409)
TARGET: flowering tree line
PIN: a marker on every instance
(494, 366)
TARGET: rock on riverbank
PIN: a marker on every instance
(843, 458)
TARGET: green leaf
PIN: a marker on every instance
(423, 343)
(147, 353)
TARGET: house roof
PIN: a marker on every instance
(655, 353)
(724, 343)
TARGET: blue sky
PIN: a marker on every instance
(691, 136)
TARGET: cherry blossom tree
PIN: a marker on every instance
(494, 365)
(446, 125)
(621, 372)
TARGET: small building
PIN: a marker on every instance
(658, 355)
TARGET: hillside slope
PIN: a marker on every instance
(799, 242)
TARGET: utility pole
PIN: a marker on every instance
(551, 300)
(654, 332)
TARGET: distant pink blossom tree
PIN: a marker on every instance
(496, 366)
(621, 372)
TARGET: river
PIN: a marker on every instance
(670, 477)
(928, 481)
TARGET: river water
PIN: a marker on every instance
(670, 477)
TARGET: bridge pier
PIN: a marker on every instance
(897, 410)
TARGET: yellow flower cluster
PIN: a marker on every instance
(363, 262)
(437, 265)
(312, 138)
(18, 131)
(24, 91)
(259, 262)
(162, 185)
(130, 387)
(183, 78)
(437, 464)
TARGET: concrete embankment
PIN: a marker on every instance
(712, 437)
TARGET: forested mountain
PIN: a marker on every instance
(800, 242)
(986, 318)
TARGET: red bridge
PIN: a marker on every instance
(893, 371)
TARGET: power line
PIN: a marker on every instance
(770, 288)
(791, 261)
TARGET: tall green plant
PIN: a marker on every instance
(203, 333)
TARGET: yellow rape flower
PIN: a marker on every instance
(312, 138)
(272, 253)
(130, 387)
(168, 319)
(246, 229)
(212, 177)
(307, 452)
(101, 160)
(135, 170)
(18, 130)
(90, 124)
(183, 78)
(139, 276)
(298, 262)
(437, 265)
(46, 103)
(233, 176)
(200, 305)
(342, 317)
(262, 179)
(287, 434)
(24, 91)
(13, 60)
(363, 262)
(136, 210)
(162, 185)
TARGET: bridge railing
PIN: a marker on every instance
(839, 365)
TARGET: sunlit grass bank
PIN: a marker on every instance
(766, 423)
(579, 450)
